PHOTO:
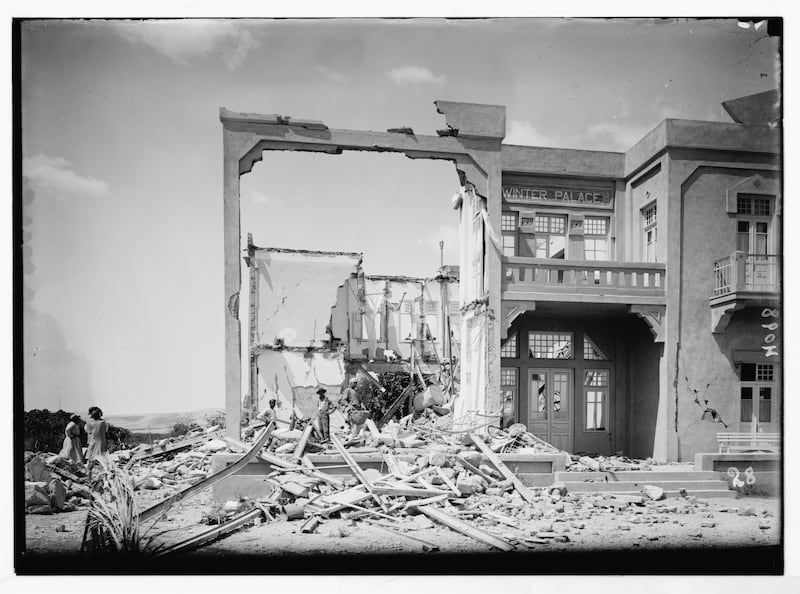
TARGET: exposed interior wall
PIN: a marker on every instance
(296, 291)
(709, 233)
(292, 378)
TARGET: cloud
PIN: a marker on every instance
(54, 174)
(524, 133)
(257, 197)
(332, 74)
(615, 136)
(183, 40)
(409, 74)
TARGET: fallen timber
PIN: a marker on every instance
(504, 470)
(464, 528)
(170, 448)
(213, 534)
(209, 481)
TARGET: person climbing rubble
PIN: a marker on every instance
(324, 408)
(354, 407)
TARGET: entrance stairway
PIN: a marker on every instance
(697, 483)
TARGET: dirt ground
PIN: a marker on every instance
(581, 524)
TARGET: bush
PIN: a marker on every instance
(183, 426)
(217, 418)
(378, 403)
(44, 431)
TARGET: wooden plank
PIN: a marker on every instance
(370, 511)
(173, 447)
(504, 470)
(476, 470)
(428, 547)
(408, 491)
(209, 481)
(356, 470)
(426, 501)
(465, 528)
(448, 482)
(396, 404)
(391, 463)
(210, 535)
(310, 525)
(301, 444)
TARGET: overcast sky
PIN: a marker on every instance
(122, 150)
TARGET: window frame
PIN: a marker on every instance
(605, 391)
(761, 380)
(531, 341)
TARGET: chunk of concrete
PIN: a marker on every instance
(58, 494)
(40, 509)
(654, 493)
(37, 472)
(36, 494)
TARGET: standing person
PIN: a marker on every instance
(356, 413)
(96, 427)
(72, 441)
(323, 414)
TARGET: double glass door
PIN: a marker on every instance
(550, 394)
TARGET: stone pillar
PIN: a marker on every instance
(233, 332)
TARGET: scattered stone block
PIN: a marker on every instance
(40, 509)
(36, 494)
(58, 494)
(707, 524)
(213, 446)
(654, 493)
(764, 525)
(36, 471)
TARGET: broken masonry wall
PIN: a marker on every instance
(296, 291)
(710, 229)
(384, 312)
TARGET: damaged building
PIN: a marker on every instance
(614, 301)
(316, 319)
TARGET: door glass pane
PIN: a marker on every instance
(560, 395)
(538, 397)
(765, 404)
(541, 247)
(743, 237)
(747, 404)
(558, 245)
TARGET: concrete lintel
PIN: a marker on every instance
(225, 116)
(474, 120)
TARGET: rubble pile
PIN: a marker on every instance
(54, 484)
(586, 463)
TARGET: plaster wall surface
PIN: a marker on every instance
(710, 233)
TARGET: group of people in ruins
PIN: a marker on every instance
(96, 428)
(351, 404)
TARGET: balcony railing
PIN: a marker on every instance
(746, 273)
(598, 278)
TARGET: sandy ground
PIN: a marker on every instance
(579, 526)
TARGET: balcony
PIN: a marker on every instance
(583, 281)
(742, 280)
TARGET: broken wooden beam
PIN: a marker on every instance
(426, 501)
(465, 528)
(357, 470)
(396, 404)
(210, 535)
(408, 491)
(373, 429)
(303, 441)
(209, 481)
(310, 525)
(504, 470)
(171, 447)
(427, 546)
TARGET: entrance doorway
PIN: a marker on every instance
(550, 406)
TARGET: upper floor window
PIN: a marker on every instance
(650, 232)
(748, 205)
(551, 236)
(595, 241)
(508, 226)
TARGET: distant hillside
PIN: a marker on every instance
(158, 422)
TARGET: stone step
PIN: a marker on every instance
(699, 493)
(638, 475)
(610, 487)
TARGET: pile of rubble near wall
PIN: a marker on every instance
(458, 482)
(54, 484)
